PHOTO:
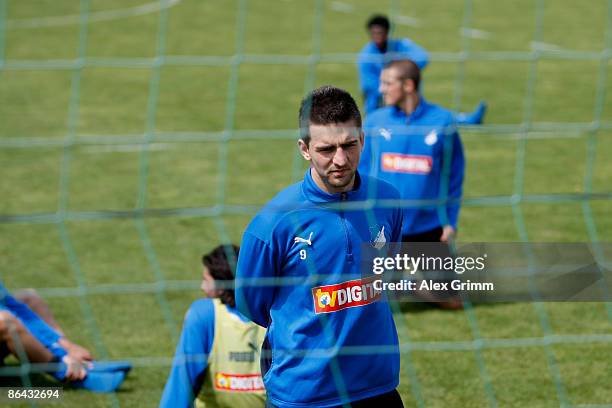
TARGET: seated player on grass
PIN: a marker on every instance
(380, 51)
(29, 332)
(217, 357)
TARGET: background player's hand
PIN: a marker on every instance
(75, 368)
(448, 232)
(79, 353)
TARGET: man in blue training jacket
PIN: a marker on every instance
(382, 50)
(331, 335)
(414, 145)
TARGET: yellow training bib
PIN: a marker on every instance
(233, 377)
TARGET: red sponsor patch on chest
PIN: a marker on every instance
(354, 293)
(238, 382)
(406, 163)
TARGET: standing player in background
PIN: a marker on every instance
(382, 50)
(299, 271)
(414, 145)
(217, 358)
(29, 331)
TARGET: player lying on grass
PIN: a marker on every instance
(217, 357)
(29, 331)
(382, 50)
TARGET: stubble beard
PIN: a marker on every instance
(340, 183)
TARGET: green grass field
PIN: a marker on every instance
(77, 101)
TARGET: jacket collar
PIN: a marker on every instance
(314, 194)
(416, 114)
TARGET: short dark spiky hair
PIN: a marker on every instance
(378, 20)
(221, 263)
(325, 106)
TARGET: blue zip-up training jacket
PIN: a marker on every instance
(44, 333)
(299, 275)
(371, 61)
(408, 152)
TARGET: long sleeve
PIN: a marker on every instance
(255, 279)
(369, 67)
(455, 185)
(35, 325)
(191, 357)
(369, 80)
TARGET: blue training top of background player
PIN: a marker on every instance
(408, 152)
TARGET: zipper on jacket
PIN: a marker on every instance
(349, 247)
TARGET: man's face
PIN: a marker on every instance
(379, 36)
(208, 284)
(334, 151)
(393, 89)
